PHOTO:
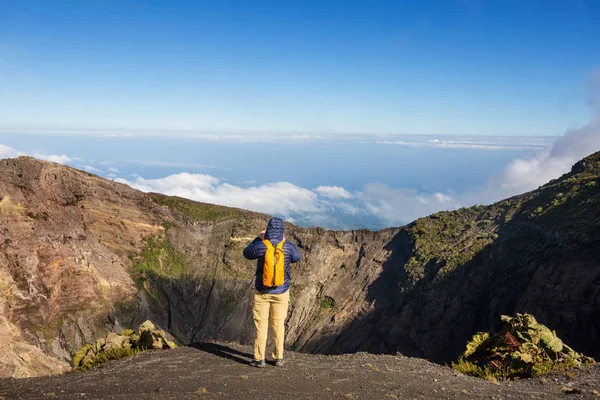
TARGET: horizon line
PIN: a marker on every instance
(193, 133)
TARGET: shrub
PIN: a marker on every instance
(113, 346)
(327, 303)
(523, 348)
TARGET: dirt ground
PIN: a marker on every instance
(211, 370)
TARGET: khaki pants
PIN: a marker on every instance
(272, 308)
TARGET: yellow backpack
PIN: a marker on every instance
(273, 270)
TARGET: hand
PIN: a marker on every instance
(262, 235)
(284, 237)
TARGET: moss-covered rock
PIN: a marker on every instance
(523, 348)
(114, 346)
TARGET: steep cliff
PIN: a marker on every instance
(80, 256)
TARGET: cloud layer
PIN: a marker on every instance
(376, 204)
(392, 206)
(280, 198)
(477, 143)
(333, 192)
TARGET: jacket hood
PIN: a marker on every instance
(275, 229)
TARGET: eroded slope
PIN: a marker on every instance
(80, 255)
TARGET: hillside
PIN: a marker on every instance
(80, 256)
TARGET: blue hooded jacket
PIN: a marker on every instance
(256, 251)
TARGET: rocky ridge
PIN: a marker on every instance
(81, 256)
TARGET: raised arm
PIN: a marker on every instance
(255, 249)
(294, 253)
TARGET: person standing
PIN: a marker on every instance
(271, 299)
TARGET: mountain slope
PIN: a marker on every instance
(80, 255)
(537, 253)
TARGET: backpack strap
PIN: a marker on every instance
(269, 245)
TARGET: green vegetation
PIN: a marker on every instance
(446, 240)
(327, 303)
(42, 331)
(195, 211)
(160, 259)
(113, 346)
(555, 220)
(108, 355)
(523, 348)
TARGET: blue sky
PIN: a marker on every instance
(406, 67)
(341, 114)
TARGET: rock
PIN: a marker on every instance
(116, 346)
(21, 360)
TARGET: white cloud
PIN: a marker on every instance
(519, 176)
(304, 137)
(310, 207)
(348, 208)
(333, 192)
(526, 174)
(112, 169)
(298, 204)
(106, 163)
(90, 168)
(171, 164)
(442, 198)
(475, 143)
(8, 152)
(127, 135)
(280, 198)
(60, 159)
(399, 206)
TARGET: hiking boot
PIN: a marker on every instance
(279, 362)
(258, 364)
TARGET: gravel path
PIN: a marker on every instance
(221, 371)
